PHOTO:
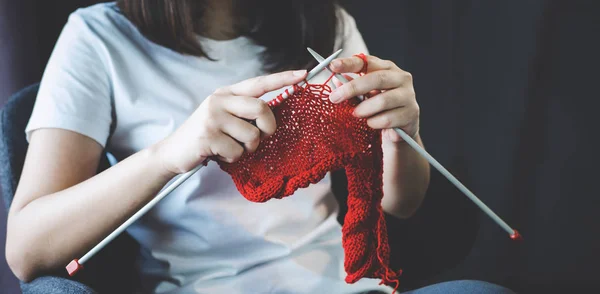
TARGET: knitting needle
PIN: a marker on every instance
(289, 91)
(514, 234)
(74, 266)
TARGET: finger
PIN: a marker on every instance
(227, 149)
(244, 107)
(242, 131)
(379, 80)
(261, 85)
(387, 100)
(266, 123)
(356, 64)
(399, 117)
(253, 109)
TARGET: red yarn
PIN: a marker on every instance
(365, 67)
(313, 137)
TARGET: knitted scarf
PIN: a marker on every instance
(313, 137)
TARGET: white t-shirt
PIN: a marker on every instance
(204, 237)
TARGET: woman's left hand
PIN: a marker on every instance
(394, 103)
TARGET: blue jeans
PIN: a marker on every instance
(462, 287)
(54, 285)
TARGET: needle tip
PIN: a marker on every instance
(337, 53)
(516, 236)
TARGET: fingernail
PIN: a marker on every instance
(299, 73)
(334, 97)
(336, 63)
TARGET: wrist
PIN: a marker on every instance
(155, 156)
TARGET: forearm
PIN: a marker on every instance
(51, 230)
(405, 178)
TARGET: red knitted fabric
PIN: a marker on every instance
(313, 137)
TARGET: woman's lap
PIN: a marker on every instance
(61, 285)
(462, 287)
(55, 285)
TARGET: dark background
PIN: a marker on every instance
(507, 92)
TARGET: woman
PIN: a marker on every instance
(169, 83)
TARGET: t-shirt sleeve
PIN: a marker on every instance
(350, 38)
(75, 91)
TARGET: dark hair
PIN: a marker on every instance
(284, 27)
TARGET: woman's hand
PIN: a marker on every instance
(221, 127)
(394, 103)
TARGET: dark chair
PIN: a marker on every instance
(422, 246)
(112, 270)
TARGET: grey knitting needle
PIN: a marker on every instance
(514, 234)
(74, 266)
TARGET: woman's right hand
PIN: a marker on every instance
(221, 127)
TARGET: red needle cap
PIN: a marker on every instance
(73, 267)
(516, 236)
